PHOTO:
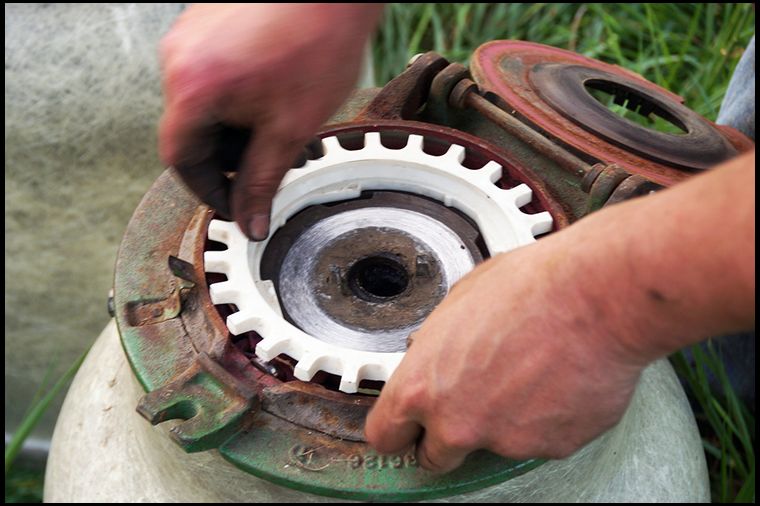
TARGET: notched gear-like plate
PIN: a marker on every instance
(343, 174)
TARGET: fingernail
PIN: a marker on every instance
(300, 161)
(315, 147)
(258, 227)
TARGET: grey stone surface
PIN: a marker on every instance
(82, 102)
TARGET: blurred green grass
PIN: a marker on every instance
(690, 49)
(24, 485)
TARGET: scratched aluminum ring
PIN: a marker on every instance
(296, 280)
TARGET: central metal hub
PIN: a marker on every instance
(365, 273)
(378, 278)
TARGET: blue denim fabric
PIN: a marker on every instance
(738, 107)
(738, 350)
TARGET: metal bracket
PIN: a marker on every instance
(438, 108)
(403, 96)
(151, 311)
(600, 181)
(610, 184)
(212, 402)
(602, 186)
(632, 187)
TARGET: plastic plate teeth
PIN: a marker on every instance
(342, 174)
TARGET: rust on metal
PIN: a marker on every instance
(213, 403)
(149, 312)
(591, 175)
(504, 68)
(697, 146)
(604, 184)
(345, 297)
(317, 408)
(465, 93)
(206, 329)
(460, 92)
(437, 105)
(402, 97)
(183, 269)
(634, 186)
(341, 294)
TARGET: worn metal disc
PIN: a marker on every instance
(546, 88)
(367, 273)
(564, 87)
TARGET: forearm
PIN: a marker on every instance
(560, 330)
(672, 268)
(279, 70)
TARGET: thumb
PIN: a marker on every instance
(264, 164)
(434, 454)
(389, 427)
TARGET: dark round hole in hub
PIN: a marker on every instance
(377, 278)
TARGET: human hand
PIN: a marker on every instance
(513, 361)
(538, 351)
(278, 71)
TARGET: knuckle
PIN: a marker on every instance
(191, 80)
(430, 458)
(381, 443)
(413, 397)
(431, 463)
(460, 437)
(184, 80)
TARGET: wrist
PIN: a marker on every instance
(670, 269)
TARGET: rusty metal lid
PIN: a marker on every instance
(549, 88)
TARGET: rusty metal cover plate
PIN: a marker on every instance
(544, 86)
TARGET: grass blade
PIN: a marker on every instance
(31, 420)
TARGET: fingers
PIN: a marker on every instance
(191, 136)
(391, 426)
(387, 435)
(408, 412)
(265, 162)
(187, 142)
(208, 183)
(202, 152)
(435, 454)
(390, 430)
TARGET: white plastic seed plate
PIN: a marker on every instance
(342, 174)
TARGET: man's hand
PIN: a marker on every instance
(538, 351)
(277, 70)
(511, 361)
